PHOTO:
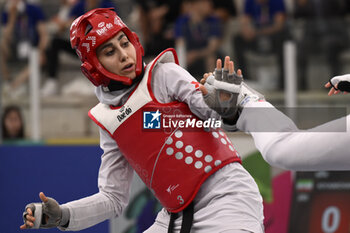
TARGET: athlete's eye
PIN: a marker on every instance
(109, 52)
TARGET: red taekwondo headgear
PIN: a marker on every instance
(93, 29)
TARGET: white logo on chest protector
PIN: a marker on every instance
(125, 111)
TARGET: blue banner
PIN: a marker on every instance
(65, 173)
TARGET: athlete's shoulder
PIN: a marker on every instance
(170, 71)
(167, 68)
(170, 67)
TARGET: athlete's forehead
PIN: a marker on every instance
(117, 38)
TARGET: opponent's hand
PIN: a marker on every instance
(47, 214)
(221, 90)
(339, 84)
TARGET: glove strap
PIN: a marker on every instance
(38, 213)
(330, 81)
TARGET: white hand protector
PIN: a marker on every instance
(47, 214)
(237, 94)
(343, 82)
(223, 91)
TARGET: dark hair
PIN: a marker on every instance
(5, 133)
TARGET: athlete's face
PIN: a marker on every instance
(118, 56)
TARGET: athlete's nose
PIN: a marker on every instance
(123, 55)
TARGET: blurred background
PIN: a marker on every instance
(287, 49)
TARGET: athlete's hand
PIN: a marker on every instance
(226, 93)
(221, 89)
(28, 219)
(339, 84)
(47, 214)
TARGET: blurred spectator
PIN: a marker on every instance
(198, 33)
(83, 6)
(59, 24)
(60, 41)
(324, 32)
(12, 123)
(156, 21)
(23, 26)
(263, 30)
(225, 9)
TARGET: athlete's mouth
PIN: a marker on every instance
(128, 67)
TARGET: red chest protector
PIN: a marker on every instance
(172, 162)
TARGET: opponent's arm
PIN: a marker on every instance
(279, 140)
(283, 145)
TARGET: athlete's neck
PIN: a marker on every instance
(116, 86)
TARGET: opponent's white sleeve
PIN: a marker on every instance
(283, 145)
(114, 179)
